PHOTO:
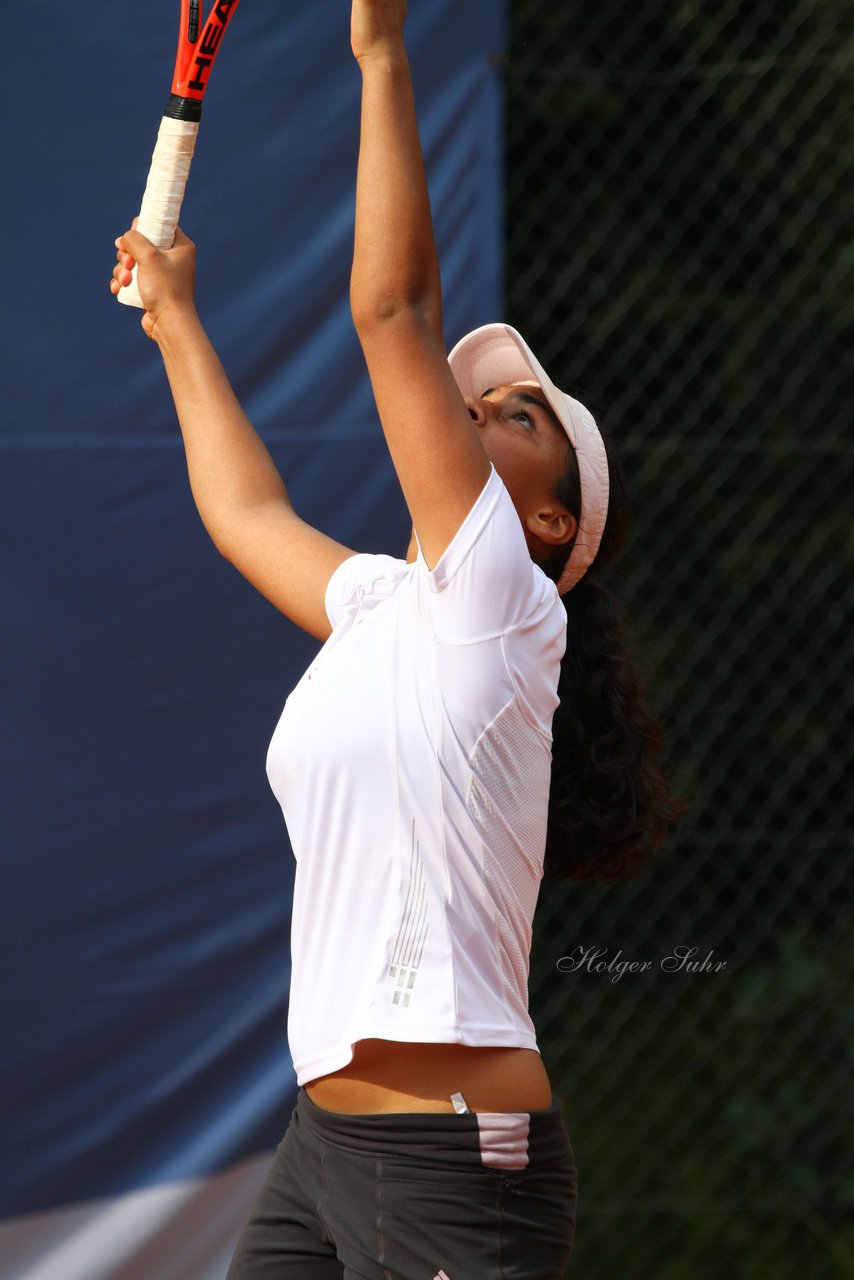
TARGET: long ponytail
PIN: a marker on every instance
(610, 804)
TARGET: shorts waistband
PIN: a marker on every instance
(501, 1139)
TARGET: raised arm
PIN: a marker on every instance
(395, 293)
(237, 488)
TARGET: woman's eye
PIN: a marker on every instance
(526, 420)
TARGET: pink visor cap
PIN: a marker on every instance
(495, 356)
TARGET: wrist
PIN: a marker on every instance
(173, 324)
(389, 55)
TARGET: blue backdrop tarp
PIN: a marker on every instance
(147, 876)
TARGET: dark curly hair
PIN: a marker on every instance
(610, 805)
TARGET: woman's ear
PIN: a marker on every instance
(552, 525)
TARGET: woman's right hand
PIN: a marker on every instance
(165, 277)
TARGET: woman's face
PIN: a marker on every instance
(527, 445)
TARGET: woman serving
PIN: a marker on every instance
(471, 717)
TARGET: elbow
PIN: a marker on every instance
(219, 538)
(386, 312)
(379, 309)
(379, 299)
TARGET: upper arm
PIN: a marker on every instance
(434, 445)
(289, 562)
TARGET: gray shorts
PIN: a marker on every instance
(414, 1196)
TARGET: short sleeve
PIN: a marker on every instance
(359, 582)
(485, 583)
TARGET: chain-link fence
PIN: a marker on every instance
(679, 212)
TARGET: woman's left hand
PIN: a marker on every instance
(376, 26)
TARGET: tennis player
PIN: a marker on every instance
(471, 716)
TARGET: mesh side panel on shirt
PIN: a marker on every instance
(508, 800)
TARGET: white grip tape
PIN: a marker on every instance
(164, 191)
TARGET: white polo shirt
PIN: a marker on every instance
(412, 763)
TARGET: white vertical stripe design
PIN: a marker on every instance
(412, 932)
(176, 1231)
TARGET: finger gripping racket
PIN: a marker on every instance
(198, 45)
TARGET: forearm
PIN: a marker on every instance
(229, 466)
(395, 267)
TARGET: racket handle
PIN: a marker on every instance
(164, 191)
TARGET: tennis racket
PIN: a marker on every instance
(198, 45)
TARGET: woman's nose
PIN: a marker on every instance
(477, 411)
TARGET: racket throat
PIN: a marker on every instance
(178, 108)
